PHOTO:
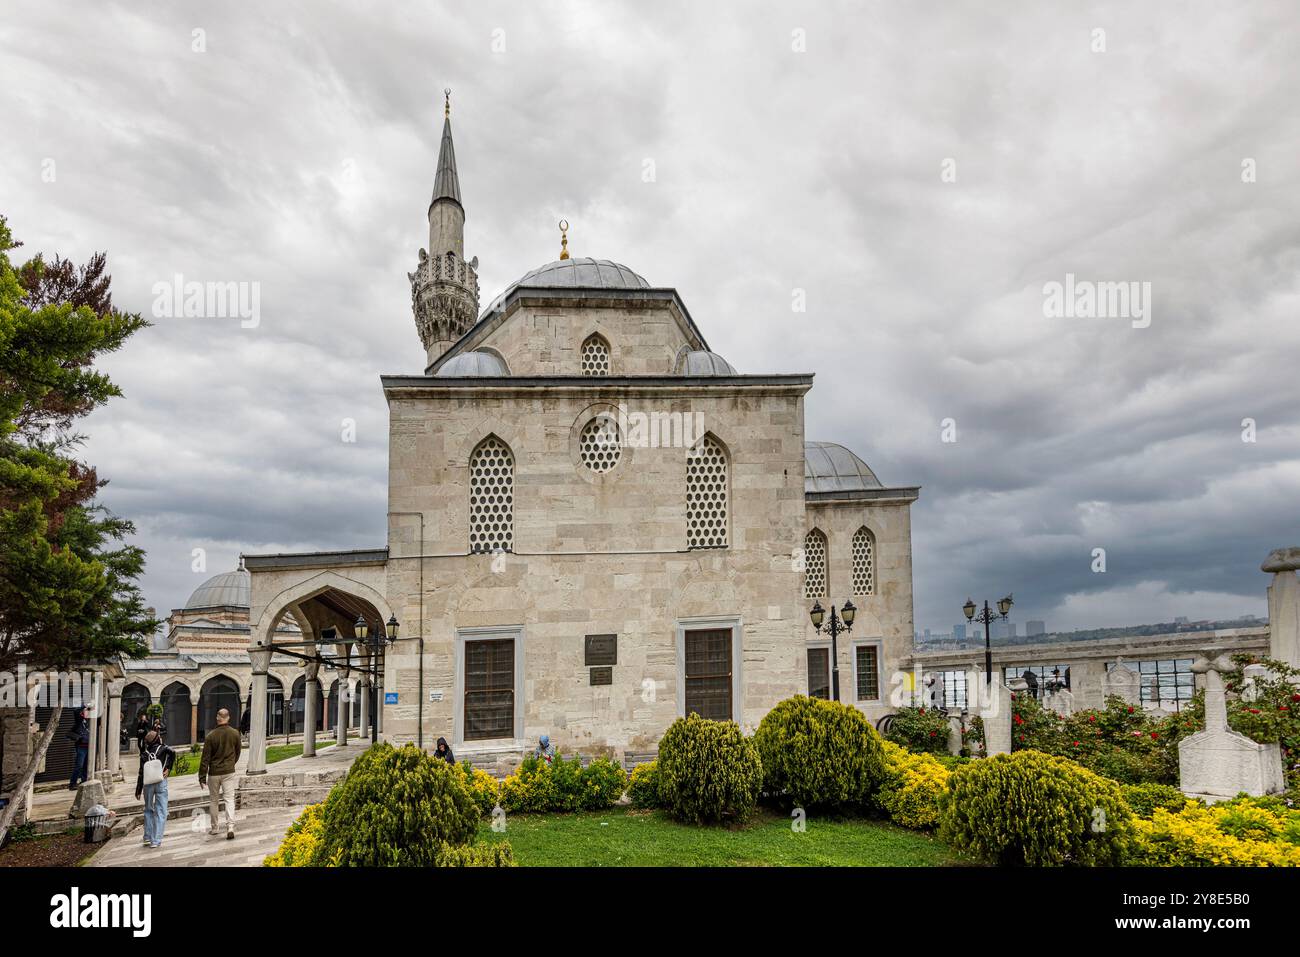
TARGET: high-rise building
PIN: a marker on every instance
(1035, 627)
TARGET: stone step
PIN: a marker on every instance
(284, 797)
(272, 780)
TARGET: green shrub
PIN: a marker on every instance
(708, 770)
(1035, 809)
(643, 786)
(920, 730)
(603, 784)
(561, 785)
(475, 855)
(819, 754)
(913, 789)
(396, 807)
(1143, 799)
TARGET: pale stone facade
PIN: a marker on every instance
(681, 548)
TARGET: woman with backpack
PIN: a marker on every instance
(156, 760)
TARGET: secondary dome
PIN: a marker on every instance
(473, 363)
(228, 588)
(574, 273)
(704, 363)
(828, 467)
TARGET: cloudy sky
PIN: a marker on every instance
(919, 170)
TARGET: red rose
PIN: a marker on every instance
(1283, 707)
(1092, 717)
(1076, 744)
(932, 734)
(1153, 735)
(1130, 709)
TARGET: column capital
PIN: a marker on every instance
(312, 670)
(115, 687)
(260, 656)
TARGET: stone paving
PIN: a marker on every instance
(258, 833)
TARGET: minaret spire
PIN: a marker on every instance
(444, 288)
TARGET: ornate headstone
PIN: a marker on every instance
(1218, 763)
(1061, 701)
(1123, 681)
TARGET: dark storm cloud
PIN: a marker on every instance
(298, 152)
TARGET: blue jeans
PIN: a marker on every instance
(79, 767)
(155, 811)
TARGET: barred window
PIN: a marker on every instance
(819, 673)
(868, 672)
(708, 673)
(706, 495)
(491, 497)
(489, 689)
(599, 445)
(864, 562)
(814, 559)
(595, 356)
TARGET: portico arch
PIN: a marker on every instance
(327, 602)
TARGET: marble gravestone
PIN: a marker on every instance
(1218, 763)
(1123, 681)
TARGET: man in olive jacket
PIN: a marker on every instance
(217, 770)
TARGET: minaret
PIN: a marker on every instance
(444, 288)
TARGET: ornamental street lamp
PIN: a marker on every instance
(987, 616)
(818, 616)
(375, 638)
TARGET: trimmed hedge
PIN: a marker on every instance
(1143, 799)
(1244, 832)
(482, 787)
(819, 754)
(1034, 809)
(395, 808)
(708, 771)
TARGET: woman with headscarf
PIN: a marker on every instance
(443, 751)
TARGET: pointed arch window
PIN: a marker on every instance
(595, 355)
(864, 562)
(491, 497)
(814, 557)
(706, 494)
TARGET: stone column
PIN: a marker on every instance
(96, 714)
(114, 727)
(1284, 605)
(364, 730)
(261, 658)
(341, 717)
(309, 718)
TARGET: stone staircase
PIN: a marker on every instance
(287, 789)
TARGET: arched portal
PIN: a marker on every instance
(135, 699)
(217, 692)
(297, 707)
(177, 713)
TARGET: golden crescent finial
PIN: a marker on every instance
(446, 103)
(564, 239)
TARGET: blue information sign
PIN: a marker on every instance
(390, 697)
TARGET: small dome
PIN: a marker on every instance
(574, 273)
(228, 588)
(476, 364)
(828, 467)
(704, 363)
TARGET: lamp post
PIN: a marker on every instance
(376, 639)
(834, 626)
(987, 616)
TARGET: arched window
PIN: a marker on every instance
(218, 692)
(491, 497)
(814, 558)
(135, 698)
(595, 355)
(864, 562)
(706, 494)
(177, 713)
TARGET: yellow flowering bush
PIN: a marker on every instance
(1245, 832)
(643, 786)
(482, 787)
(913, 787)
(299, 841)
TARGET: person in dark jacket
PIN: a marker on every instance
(80, 737)
(153, 748)
(443, 751)
(142, 725)
(221, 747)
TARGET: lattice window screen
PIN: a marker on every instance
(814, 557)
(598, 444)
(491, 497)
(706, 495)
(595, 356)
(864, 562)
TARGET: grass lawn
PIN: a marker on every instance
(623, 837)
(187, 762)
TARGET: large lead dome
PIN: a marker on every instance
(228, 588)
(574, 273)
(828, 467)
